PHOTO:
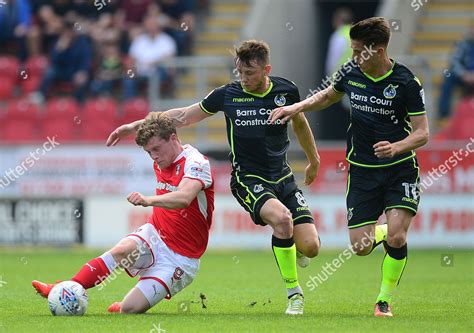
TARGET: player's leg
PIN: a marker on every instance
(97, 269)
(395, 259)
(306, 239)
(364, 200)
(259, 199)
(402, 199)
(144, 296)
(275, 214)
(305, 234)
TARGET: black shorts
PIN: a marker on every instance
(252, 192)
(372, 191)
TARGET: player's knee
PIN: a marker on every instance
(360, 249)
(119, 252)
(310, 248)
(284, 224)
(397, 240)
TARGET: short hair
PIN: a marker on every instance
(371, 31)
(250, 50)
(156, 124)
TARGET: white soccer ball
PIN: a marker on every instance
(68, 298)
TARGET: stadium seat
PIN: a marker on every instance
(20, 122)
(35, 66)
(460, 123)
(9, 67)
(61, 118)
(99, 119)
(22, 109)
(135, 109)
(30, 84)
(462, 120)
(61, 107)
(7, 88)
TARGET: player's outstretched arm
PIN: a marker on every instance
(417, 138)
(306, 139)
(188, 190)
(316, 102)
(122, 132)
(188, 115)
(182, 116)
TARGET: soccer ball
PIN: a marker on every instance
(67, 298)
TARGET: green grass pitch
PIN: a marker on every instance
(244, 293)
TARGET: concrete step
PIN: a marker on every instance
(221, 37)
(230, 7)
(451, 6)
(213, 50)
(424, 50)
(446, 36)
(222, 23)
(445, 21)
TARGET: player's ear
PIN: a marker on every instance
(268, 69)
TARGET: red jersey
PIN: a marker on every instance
(186, 230)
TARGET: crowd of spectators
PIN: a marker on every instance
(91, 48)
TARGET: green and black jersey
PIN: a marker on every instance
(257, 147)
(380, 111)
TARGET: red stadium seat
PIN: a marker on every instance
(7, 88)
(99, 119)
(9, 67)
(100, 108)
(30, 84)
(22, 109)
(135, 109)
(61, 118)
(61, 107)
(460, 125)
(35, 66)
(20, 122)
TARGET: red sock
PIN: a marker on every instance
(92, 273)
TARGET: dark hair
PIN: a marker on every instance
(250, 50)
(371, 31)
(155, 124)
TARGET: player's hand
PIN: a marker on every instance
(311, 172)
(120, 133)
(284, 113)
(138, 199)
(385, 149)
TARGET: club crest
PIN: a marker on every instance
(390, 91)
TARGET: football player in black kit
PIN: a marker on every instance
(388, 122)
(262, 180)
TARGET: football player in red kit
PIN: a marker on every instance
(165, 251)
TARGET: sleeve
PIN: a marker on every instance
(295, 93)
(199, 168)
(337, 80)
(415, 97)
(214, 101)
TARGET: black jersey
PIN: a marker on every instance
(380, 110)
(257, 147)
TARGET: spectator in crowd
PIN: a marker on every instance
(15, 20)
(109, 71)
(146, 53)
(339, 51)
(132, 13)
(45, 31)
(178, 20)
(461, 73)
(70, 61)
(339, 48)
